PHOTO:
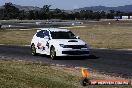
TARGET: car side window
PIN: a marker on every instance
(42, 34)
(46, 33)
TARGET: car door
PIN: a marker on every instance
(42, 38)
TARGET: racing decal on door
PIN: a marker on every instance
(39, 46)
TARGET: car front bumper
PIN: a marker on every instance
(73, 52)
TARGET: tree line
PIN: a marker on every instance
(11, 12)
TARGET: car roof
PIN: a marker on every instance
(54, 29)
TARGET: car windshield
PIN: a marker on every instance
(62, 35)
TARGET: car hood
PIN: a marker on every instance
(69, 41)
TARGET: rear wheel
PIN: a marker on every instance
(52, 53)
(33, 50)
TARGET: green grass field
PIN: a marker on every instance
(22, 74)
(106, 36)
(98, 35)
(16, 37)
(25, 74)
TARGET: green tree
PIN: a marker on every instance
(22, 15)
(36, 15)
(31, 15)
(2, 11)
(11, 11)
(46, 8)
(103, 14)
(44, 12)
(56, 13)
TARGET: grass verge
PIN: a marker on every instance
(20, 74)
(23, 74)
(112, 36)
(16, 37)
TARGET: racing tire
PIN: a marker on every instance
(52, 53)
(33, 50)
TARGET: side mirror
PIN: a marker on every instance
(46, 37)
(77, 37)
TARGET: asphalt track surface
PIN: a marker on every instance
(113, 62)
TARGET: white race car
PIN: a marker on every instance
(58, 42)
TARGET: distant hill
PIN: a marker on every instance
(27, 8)
(126, 8)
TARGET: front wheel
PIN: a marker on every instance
(52, 53)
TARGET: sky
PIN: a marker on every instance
(68, 4)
